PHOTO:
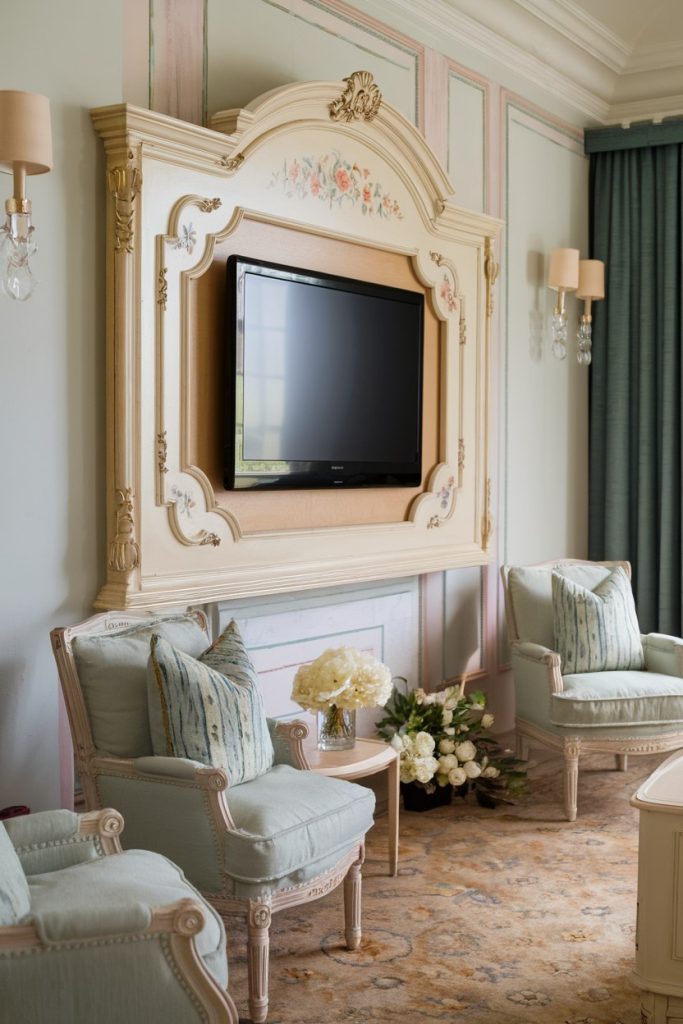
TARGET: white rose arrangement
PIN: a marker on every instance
(341, 679)
(443, 740)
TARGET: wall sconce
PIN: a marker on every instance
(25, 148)
(591, 287)
(563, 277)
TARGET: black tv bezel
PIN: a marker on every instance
(310, 475)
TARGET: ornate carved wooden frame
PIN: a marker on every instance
(176, 191)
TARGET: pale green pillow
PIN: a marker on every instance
(210, 709)
(112, 671)
(596, 630)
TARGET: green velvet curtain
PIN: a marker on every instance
(635, 397)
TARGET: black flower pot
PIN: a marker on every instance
(416, 797)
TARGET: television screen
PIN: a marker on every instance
(325, 380)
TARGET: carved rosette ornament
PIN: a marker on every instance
(124, 184)
(360, 101)
(259, 914)
(491, 271)
(124, 553)
(189, 920)
(112, 824)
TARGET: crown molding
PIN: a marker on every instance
(580, 28)
(441, 18)
(659, 57)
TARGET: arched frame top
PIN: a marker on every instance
(326, 161)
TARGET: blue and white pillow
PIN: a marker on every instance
(596, 630)
(209, 710)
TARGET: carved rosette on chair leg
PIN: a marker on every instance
(352, 903)
(572, 752)
(258, 943)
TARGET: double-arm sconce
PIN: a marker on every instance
(25, 148)
(568, 273)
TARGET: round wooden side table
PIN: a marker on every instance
(367, 757)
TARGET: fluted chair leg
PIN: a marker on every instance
(572, 751)
(258, 946)
(352, 903)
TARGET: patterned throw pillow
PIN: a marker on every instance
(211, 708)
(596, 630)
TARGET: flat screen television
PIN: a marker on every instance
(324, 380)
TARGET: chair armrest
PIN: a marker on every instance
(172, 806)
(288, 738)
(663, 654)
(538, 665)
(50, 840)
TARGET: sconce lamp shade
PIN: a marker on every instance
(591, 279)
(25, 134)
(563, 272)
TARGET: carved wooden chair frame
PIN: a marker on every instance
(179, 921)
(572, 745)
(213, 783)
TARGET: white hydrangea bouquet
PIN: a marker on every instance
(443, 741)
(338, 682)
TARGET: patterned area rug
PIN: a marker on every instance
(512, 916)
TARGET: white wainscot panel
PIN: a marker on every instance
(462, 622)
(467, 141)
(255, 45)
(284, 634)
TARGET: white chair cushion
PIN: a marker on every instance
(599, 699)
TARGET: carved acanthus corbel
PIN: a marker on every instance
(125, 183)
(124, 553)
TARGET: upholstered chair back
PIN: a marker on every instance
(529, 600)
(104, 677)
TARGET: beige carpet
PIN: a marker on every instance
(512, 916)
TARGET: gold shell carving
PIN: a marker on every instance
(360, 101)
(124, 553)
(209, 205)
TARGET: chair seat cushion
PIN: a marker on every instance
(628, 698)
(75, 902)
(289, 819)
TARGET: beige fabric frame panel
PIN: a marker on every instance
(181, 198)
(573, 744)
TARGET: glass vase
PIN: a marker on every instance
(336, 728)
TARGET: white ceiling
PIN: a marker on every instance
(615, 61)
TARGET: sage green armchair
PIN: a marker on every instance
(285, 838)
(618, 712)
(88, 933)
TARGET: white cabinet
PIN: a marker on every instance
(659, 932)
